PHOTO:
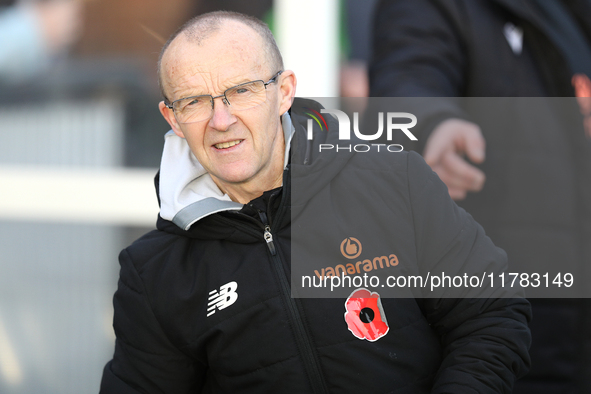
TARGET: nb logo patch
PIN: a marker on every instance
(223, 298)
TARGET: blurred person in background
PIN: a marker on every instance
(528, 186)
(32, 33)
(357, 23)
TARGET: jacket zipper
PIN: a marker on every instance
(311, 363)
(269, 239)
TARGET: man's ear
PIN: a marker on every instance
(287, 89)
(168, 114)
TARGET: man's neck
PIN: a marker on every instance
(243, 195)
(248, 191)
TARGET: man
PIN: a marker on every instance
(204, 303)
(521, 167)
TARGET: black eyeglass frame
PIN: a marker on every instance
(225, 99)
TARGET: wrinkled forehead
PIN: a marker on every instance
(232, 54)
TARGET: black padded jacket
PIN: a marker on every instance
(171, 337)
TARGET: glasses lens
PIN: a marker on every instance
(247, 95)
(192, 109)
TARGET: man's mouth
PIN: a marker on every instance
(226, 145)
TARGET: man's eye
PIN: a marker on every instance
(191, 103)
(194, 101)
(242, 90)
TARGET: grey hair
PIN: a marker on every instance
(201, 27)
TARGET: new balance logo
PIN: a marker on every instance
(224, 298)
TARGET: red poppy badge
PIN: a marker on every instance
(365, 316)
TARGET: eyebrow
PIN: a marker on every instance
(190, 93)
(193, 92)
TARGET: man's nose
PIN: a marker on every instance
(222, 117)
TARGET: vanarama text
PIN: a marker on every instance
(350, 269)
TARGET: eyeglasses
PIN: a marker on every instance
(244, 96)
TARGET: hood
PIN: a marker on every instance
(312, 170)
(186, 191)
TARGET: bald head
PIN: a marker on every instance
(202, 28)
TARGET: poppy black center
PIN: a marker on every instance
(366, 315)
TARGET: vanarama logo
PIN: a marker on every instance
(351, 249)
(345, 130)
